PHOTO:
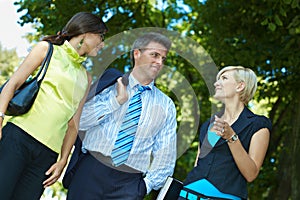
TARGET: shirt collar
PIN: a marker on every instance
(134, 83)
(73, 53)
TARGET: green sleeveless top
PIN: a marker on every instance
(59, 96)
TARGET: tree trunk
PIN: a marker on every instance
(289, 164)
(295, 164)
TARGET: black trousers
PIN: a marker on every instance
(23, 163)
(94, 180)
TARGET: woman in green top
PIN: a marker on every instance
(30, 143)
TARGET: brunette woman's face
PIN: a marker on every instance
(93, 42)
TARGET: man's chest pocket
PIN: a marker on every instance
(151, 122)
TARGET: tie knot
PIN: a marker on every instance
(143, 88)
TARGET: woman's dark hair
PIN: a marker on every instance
(80, 23)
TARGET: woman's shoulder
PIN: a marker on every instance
(204, 126)
(40, 48)
(42, 45)
(257, 120)
(262, 121)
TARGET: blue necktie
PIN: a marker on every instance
(126, 135)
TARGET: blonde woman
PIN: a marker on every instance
(232, 144)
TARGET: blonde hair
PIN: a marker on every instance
(245, 75)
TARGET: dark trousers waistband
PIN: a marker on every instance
(106, 160)
(95, 180)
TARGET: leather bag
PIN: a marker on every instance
(24, 97)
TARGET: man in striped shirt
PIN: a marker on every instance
(152, 154)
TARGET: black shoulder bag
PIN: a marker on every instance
(24, 97)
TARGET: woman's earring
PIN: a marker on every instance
(80, 44)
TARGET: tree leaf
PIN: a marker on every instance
(272, 26)
(265, 22)
(278, 20)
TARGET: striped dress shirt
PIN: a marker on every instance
(155, 139)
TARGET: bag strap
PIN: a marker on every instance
(45, 63)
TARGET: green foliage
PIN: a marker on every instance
(56, 190)
(9, 61)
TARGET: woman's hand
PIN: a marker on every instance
(55, 172)
(222, 128)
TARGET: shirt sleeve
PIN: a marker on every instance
(98, 108)
(164, 153)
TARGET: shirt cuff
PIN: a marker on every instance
(114, 103)
(148, 185)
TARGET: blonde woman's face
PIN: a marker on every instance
(226, 86)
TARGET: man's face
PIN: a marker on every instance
(149, 60)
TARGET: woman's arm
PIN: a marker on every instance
(28, 66)
(68, 142)
(250, 163)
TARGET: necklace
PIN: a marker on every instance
(231, 119)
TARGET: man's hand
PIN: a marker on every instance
(122, 95)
